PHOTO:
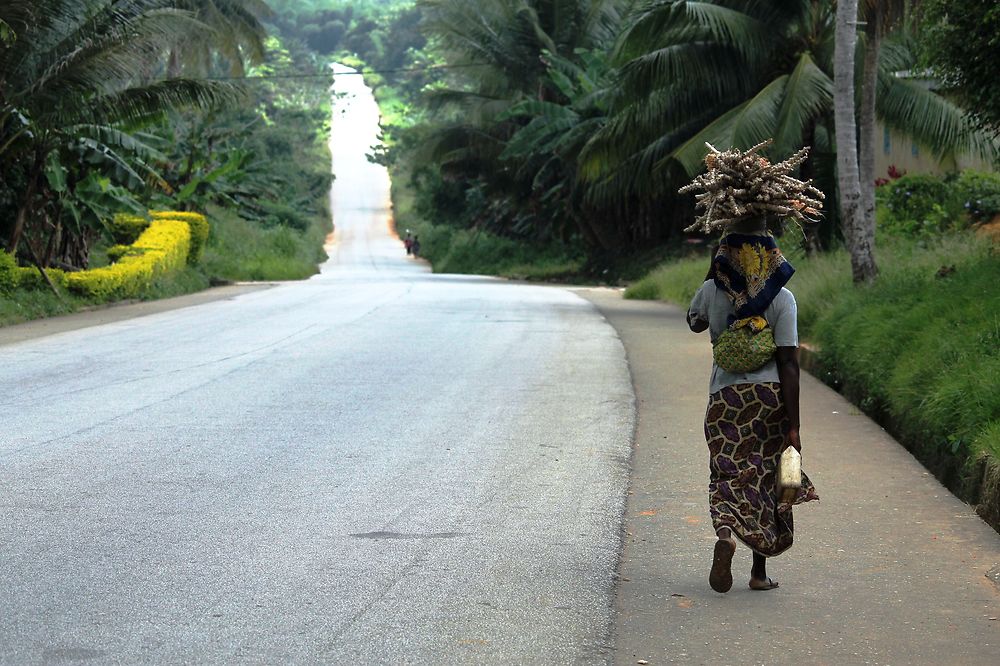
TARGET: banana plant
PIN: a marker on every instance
(73, 80)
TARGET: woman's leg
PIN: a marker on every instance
(759, 570)
(721, 576)
(758, 574)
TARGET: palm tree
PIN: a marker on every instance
(516, 56)
(881, 19)
(860, 236)
(546, 150)
(737, 72)
(237, 34)
(69, 94)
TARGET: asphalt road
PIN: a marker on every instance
(378, 465)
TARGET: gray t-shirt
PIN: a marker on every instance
(711, 304)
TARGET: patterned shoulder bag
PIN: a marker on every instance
(746, 345)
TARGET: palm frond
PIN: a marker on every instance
(141, 104)
(807, 95)
(741, 127)
(935, 123)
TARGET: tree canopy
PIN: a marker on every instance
(961, 44)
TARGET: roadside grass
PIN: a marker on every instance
(24, 305)
(240, 250)
(453, 250)
(919, 350)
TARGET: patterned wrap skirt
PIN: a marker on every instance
(745, 427)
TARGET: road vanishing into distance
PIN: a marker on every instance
(377, 465)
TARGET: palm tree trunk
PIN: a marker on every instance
(24, 210)
(869, 87)
(859, 245)
(173, 64)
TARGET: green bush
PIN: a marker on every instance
(116, 252)
(284, 215)
(918, 205)
(452, 250)
(30, 278)
(978, 192)
(8, 272)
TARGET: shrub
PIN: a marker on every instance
(283, 215)
(116, 252)
(30, 278)
(161, 248)
(8, 272)
(199, 230)
(125, 229)
(979, 194)
(918, 204)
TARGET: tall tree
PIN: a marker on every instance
(860, 236)
(960, 41)
(524, 51)
(881, 18)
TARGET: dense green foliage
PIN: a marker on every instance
(572, 124)
(79, 82)
(105, 109)
(960, 42)
(923, 205)
(385, 35)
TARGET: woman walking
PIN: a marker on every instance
(753, 414)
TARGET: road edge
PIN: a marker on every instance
(115, 312)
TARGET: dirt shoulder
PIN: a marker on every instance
(889, 567)
(40, 328)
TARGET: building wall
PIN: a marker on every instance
(897, 150)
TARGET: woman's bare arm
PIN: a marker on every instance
(788, 375)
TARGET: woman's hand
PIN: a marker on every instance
(696, 323)
(793, 439)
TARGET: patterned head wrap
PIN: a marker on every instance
(751, 270)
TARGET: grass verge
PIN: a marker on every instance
(919, 350)
(450, 249)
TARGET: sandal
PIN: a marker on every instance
(721, 576)
(763, 586)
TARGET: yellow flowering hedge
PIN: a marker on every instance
(146, 249)
(161, 248)
(199, 229)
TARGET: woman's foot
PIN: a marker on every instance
(762, 585)
(721, 576)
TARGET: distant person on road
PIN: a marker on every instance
(753, 412)
(415, 247)
(408, 243)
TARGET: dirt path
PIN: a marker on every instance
(888, 568)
